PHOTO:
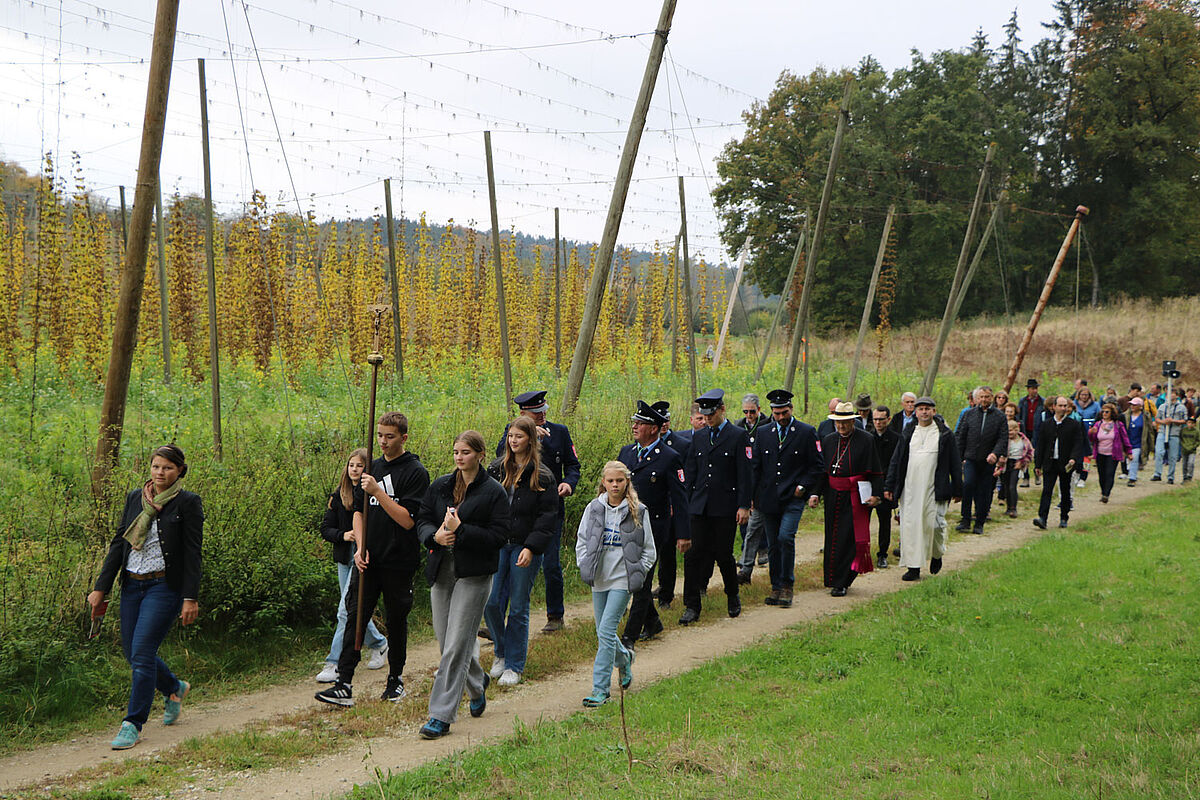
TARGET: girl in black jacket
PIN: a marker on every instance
(337, 529)
(463, 521)
(157, 552)
(534, 510)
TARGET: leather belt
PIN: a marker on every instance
(146, 576)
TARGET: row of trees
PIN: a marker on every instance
(286, 285)
(1104, 111)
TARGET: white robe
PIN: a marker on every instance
(922, 518)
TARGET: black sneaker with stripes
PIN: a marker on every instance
(394, 691)
(340, 694)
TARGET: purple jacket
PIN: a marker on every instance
(1122, 449)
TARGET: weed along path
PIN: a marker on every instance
(352, 756)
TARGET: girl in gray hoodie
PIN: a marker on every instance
(614, 550)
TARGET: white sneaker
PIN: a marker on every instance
(329, 674)
(497, 668)
(1079, 483)
(510, 678)
(378, 659)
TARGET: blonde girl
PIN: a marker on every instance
(614, 550)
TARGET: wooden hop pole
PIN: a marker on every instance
(733, 294)
(503, 311)
(162, 284)
(676, 332)
(133, 276)
(214, 356)
(397, 341)
(866, 315)
(557, 299)
(616, 209)
(783, 301)
(687, 293)
(1080, 213)
(374, 358)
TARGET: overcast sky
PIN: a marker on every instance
(364, 90)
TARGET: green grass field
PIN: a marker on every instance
(1066, 669)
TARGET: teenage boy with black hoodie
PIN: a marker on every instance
(394, 486)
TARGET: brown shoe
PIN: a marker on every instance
(553, 625)
(773, 598)
(785, 598)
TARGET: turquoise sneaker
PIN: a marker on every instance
(597, 698)
(626, 672)
(127, 737)
(171, 712)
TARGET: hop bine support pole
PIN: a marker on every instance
(1080, 213)
(870, 302)
(374, 358)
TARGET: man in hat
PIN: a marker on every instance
(1030, 417)
(863, 406)
(982, 436)
(753, 545)
(924, 477)
(907, 415)
(1060, 448)
(851, 485)
(717, 475)
(658, 478)
(558, 454)
(787, 467)
(885, 440)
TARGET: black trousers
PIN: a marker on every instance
(884, 512)
(978, 485)
(1009, 481)
(1055, 471)
(1107, 467)
(666, 566)
(643, 616)
(712, 543)
(395, 585)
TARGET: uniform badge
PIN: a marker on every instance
(680, 474)
(573, 450)
(748, 455)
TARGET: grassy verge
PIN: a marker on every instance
(1065, 669)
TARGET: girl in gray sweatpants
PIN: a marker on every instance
(615, 551)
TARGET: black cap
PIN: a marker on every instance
(664, 408)
(780, 398)
(646, 413)
(863, 402)
(1032, 383)
(709, 401)
(925, 401)
(534, 401)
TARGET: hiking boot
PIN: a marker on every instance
(127, 737)
(734, 606)
(963, 526)
(1156, 478)
(394, 691)
(479, 704)
(553, 624)
(173, 707)
(1038, 522)
(434, 729)
(626, 672)
(744, 575)
(773, 598)
(689, 616)
(596, 699)
(785, 598)
(913, 574)
(978, 529)
(340, 694)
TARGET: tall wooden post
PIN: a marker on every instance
(133, 276)
(397, 340)
(162, 284)
(214, 356)
(975, 261)
(1080, 213)
(814, 250)
(124, 220)
(783, 301)
(491, 178)
(964, 251)
(616, 209)
(687, 292)
(733, 294)
(870, 302)
(675, 330)
(557, 300)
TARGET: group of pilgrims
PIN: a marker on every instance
(491, 525)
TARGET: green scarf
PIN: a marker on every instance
(136, 533)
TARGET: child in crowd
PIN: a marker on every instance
(614, 550)
(1019, 454)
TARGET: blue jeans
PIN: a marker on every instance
(608, 607)
(552, 569)
(148, 608)
(511, 586)
(1134, 461)
(1166, 448)
(780, 532)
(372, 638)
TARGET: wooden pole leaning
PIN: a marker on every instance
(133, 276)
(733, 295)
(501, 308)
(870, 301)
(374, 358)
(783, 301)
(675, 331)
(616, 209)
(975, 261)
(1080, 213)
(687, 293)
(214, 358)
(397, 340)
(557, 299)
(814, 249)
(959, 268)
(163, 301)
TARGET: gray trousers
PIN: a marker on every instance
(457, 605)
(753, 541)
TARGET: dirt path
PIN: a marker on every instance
(554, 698)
